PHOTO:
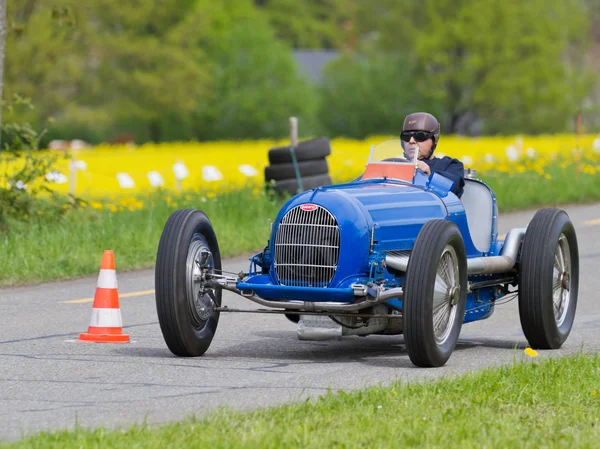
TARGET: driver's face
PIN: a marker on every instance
(423, 147)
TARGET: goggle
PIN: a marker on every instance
(420, 136)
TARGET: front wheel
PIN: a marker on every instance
(188, 250)
(548, 279)
(435, 293)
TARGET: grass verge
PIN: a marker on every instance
(73, 247)
(551, 404)
(35, 252)
(530, 189)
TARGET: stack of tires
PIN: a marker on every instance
(311, 163)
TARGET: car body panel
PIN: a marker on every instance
(374, 216)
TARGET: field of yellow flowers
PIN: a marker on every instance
(120, 171)
(221, 177)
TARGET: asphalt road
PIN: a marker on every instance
(49, 381)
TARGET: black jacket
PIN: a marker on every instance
(450, 168)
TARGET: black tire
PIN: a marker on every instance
(308, 182)
(305, 151)
(549, 239)
(437, 239)
(188, 331)
(280, 172)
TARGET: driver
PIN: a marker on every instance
(421, 132)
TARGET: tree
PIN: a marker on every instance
(310, 23)
(111, 64)
(365, 93)
(516, 65)
(256, 83)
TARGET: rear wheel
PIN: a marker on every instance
(548, 279)
(435, 293)
(188, 250)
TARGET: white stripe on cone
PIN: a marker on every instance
(106, 318)
(107, 279)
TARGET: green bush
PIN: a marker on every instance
(256, 86)
(25, 190)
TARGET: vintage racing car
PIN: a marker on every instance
(392, 252)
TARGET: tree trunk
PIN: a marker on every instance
(155, 131)
(2, 45)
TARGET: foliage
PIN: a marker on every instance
(25, 192)
(112, 62)
(256, 85)
(364, 94)
(196, 69)
(516, 66)
(312, 23)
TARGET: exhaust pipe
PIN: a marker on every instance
(398, 260)
(502, 263)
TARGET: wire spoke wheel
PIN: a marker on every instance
(548, 279)
(445, 295)
(561, 284)
(435, 293)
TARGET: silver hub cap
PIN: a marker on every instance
(446, 294)
(200, 298)
(561, 280)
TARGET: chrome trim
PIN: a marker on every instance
(398, 260)
(469, 173)
(502, 263)
(476, 265)
(381, 295)
(561, 280)
(307, 248)
(446, 294)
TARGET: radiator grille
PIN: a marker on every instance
(307, 247)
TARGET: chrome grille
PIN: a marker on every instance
(307, 247)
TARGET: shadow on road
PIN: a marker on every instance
(284, 348)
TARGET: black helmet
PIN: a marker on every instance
(423, 121)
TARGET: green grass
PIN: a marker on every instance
(529, 190)
(552, 404)
(73, 247)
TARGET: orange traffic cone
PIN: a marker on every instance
(106, 325)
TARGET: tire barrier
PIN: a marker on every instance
(287, 171)
(305, 151)
(308, 171)
(308, 182)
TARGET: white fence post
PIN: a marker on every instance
(293, 132)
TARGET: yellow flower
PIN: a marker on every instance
(348, 157)
(594, 394)
(531, 352)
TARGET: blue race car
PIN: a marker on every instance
(392, 252)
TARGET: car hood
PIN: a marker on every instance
(396, 211)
